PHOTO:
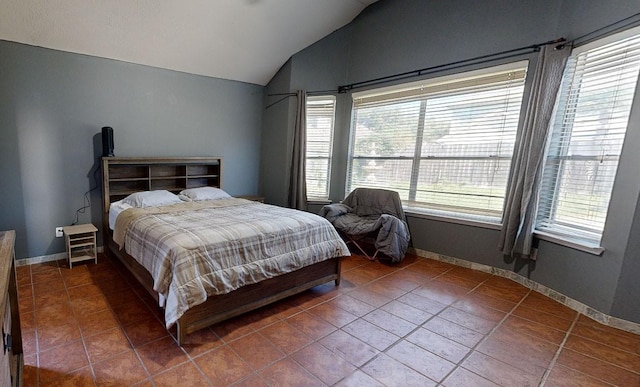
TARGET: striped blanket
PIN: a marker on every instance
(197, 249)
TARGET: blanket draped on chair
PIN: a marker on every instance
(365, 211)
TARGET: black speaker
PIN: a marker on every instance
(107, 141)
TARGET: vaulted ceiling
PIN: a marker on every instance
(243, 40)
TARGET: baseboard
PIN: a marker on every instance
(46, 258)
(542, 289)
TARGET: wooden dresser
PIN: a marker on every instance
(11, 361)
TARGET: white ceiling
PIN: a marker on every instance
(243, 40)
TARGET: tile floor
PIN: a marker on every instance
(421, 323)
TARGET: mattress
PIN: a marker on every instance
(114, 210)
(197, 249)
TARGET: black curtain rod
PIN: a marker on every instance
(453, 65)
(410, 74)
(282, 94)
(589, 37)
(308, 93)
(287, 95)
(607, 30)
(579, 41)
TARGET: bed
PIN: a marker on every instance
(256, 260)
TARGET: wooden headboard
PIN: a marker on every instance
(122, 176)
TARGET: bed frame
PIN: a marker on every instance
(122, 176)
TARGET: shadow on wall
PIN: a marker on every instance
(12, 190)
(520, 264)
(95, 177)
(90, 210)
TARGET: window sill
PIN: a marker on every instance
(411, 212)
(581, 246)
(318, 201)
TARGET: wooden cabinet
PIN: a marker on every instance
(81, 243)
(11, 362)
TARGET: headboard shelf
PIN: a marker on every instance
(122, 176)
(125, 171)
(203, 176)
(202, 170)
(170, 170)
(129, 179)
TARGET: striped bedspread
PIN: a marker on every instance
(205, 248)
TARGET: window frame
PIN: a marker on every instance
(547, 227)
(329, 157)
(432, 211)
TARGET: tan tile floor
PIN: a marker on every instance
(422, 322)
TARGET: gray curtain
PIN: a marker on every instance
(522, 196)
(297, 181)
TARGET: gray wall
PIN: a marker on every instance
(322, 66)
(277, 138)
(393, 36)
(617, 272)
(53, 104)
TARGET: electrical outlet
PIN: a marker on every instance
(59, 232)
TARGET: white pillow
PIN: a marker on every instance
(151, 199)
(204, 193)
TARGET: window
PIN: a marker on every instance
(320, 119)
(587, 134)
(444, 144)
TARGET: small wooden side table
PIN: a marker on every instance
(81, 243)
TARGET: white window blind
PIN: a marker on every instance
(588, 131)
(320, 122)
(445, 144)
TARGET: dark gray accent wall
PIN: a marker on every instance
(53, 105)
(277, 139)
(580, 17)
(320, 66)
(619, 266)
(391, 37)
(394, 36)
(626, 302)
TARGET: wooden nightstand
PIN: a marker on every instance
(81, 243)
